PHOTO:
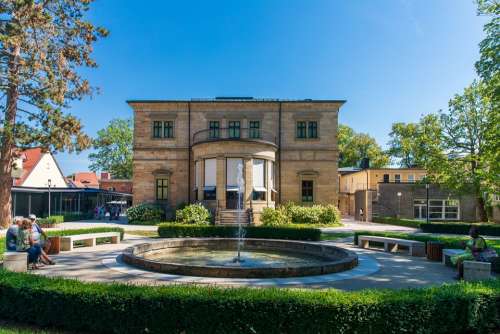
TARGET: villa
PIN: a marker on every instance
(191, 150)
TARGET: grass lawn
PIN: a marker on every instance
(335, 236)
(150, 234)
(11, 328)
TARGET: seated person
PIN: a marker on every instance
(37, 233)
(473, 249)
(11, 236)
(25, 243)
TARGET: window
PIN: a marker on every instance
(301, 129)
(411, 178)
(307, 191)
(162, 189)
(214, 127)
(259, 177)
(209, 190)
(156, 129)
(168, 129)
(272, 180)
(386, 178)
(397, 178)
(438, 209)
(254, 131)
(234, 129)
(313, 130)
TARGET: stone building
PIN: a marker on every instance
(194, 150)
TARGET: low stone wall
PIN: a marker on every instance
(336, 259)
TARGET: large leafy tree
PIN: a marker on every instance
(43, 44)
(402, 145)
(353, 147)
(114, 149)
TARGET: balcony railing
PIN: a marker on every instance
(216, 134)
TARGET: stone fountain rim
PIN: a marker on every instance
(134, 256)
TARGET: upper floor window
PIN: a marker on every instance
(312, 130)
(234, 129)
(301, 129)
(163, 129)
(397, 178)
(168, 129)
(307, 130)
(254, 129)
(386, 178)
(214, 129)
(411, 178)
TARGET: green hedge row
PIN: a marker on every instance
(460, 228)
(116, 308)
(71, 232)
(169, 230)
(397, 222)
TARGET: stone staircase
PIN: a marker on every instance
(230, 217)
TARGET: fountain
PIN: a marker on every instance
(241, 190)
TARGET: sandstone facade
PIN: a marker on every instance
(188, 141)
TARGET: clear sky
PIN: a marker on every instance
(392, 60)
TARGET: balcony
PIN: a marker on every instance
(240, 134)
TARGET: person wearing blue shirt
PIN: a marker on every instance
(11, 236)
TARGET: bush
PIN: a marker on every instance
(119, 308)
(145, 213)
(290, 213)
(168, 230)
(193, 214)
(398, 222)
(460, 228)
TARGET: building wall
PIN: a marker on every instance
(122, 186)
(45, 169)
(311, 159)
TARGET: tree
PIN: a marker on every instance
(402, 146)
(114, 149)
(460, 157)
(355, 146)
(42, 45)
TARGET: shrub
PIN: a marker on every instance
(169, 230)
(460, 228)
(398, 222)
(145, 212)
(193, 214)
(119, 308)
(290, 213)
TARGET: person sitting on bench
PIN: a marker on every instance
(37, 234)
(25, 243)
(473, 249)
(11, 236)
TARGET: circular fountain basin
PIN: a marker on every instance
(261, 258)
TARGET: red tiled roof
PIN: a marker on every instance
(86, 180)
(30, 158)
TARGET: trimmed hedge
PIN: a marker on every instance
(168, 230)
(460, 228)
(145, 212)
(119, 308)
(397, 222)
(70, 232)
(290, 213)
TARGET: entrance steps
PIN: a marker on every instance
(231, 217)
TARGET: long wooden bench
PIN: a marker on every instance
(415, 248)
(89, 240)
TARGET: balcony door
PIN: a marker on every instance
(234, 170)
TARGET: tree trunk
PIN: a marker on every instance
(481, 209)
(8, 142)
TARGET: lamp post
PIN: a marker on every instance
(399, 202)
(427, 201)
(49, 183)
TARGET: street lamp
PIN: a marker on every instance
(427, 201)
(49, 183)
(399, 202)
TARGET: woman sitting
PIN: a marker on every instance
(25, 243)
(11, 236)
(473, 249)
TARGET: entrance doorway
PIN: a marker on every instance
(232, 200)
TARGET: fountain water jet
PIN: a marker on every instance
(241, 190)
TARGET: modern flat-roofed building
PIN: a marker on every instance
(194, 150)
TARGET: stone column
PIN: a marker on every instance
(201, 186)
(248, 169)
(221, 181)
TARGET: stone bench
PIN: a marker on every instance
(89, 240)
(448, 253)
(15, 261)
(415, 248)
(477, 271)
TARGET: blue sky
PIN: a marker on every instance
(392, 60)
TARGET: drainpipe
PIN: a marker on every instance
(189, 152)
(279, 152)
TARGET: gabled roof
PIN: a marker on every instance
(30, 158)
(85, 180)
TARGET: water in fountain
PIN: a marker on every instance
(241, 232)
